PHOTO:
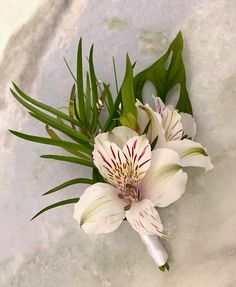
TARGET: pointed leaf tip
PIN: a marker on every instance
(57, 204)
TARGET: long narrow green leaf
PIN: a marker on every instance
(127, 91)
(46, 107)
(69, 159)
(48, 117)
(48, 141)
(85, 146)
(114, 113)
(54, 136)
(71, 104)
(115, 75)
(57, 204)
(97, 176)
(88, 99)
(69, 183)
(80, 85)
(94, 90)
(45, 118)
(69, 69)
(109, 98)
(76, 109)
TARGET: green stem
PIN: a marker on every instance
(165, 267)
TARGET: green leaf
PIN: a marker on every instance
(71, 105)
(60, 203)
(69, 183)
(53, 135)
(64, 129)
(114, 114)
(147, 128)
(45, 107)
(127, 91)
(153, 144)
(97, 176)
(128, 120)
(115, 74)
(45, 118)
(80, 85)
(110, 103)
(88, 99)
(76, 109)
(48, 141)
(165, 73)
(69, 159)
(164, 267)
(69, 69)
(93, 80)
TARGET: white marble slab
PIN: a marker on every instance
(52, 251)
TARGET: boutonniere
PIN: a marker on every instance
(138, 152)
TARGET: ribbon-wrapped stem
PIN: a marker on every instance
(156, 251)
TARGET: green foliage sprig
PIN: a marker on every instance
(87, 101)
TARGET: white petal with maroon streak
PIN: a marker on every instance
(172, 125)
(171, 120)
(144, 218)
(137, 152)
(121, 167)
(110, 161)
(159, 105)
(99, 209)
(119, 136)
(155, 129)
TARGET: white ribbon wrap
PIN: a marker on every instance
(155, 249)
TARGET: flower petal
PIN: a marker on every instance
(137, 152)
(165, 180)
(191, 153)
(99, 209)
(146, 114)
(144, 218)
(110, 161)
(189, 125)
(119, 135)
(142, 120)
(172, 125)
(171, 120)
(126, 166)
(159, 105)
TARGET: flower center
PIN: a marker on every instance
(130, 193)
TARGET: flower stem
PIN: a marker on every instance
(165, 267)
(156, 251)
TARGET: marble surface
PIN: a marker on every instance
(52, 251)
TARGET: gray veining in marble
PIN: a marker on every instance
(51, 251)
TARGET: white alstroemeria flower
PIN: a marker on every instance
(138, 179)
(176, 125)
(173, 131)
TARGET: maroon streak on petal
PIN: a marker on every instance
(143, 152)
(146, 161)
(113, 153)
(128, 150)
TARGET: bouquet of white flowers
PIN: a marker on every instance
(137, 152)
